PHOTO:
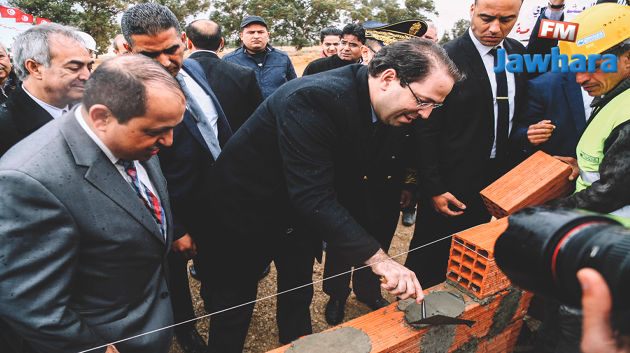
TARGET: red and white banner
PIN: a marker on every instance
(9, 12)
(24, 18)
(41, 21)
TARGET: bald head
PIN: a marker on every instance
(119, 47)
(204, 35)
(117, 79)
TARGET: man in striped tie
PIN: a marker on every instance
(89, 226)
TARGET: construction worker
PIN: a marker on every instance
(603, 152)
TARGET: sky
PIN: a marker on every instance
(450, 12)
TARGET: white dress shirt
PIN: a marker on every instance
(142, 173)
(488, 62)
(203, 100)
(54, 111)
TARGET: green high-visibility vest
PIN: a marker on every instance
(590, 149)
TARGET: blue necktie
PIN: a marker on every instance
(203, 123)
(503, 111)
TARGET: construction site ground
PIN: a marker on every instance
(263, 331)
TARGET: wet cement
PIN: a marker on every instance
(438, 339)
(505, 312)
(437, 303)
(341, 340)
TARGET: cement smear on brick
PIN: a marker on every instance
(341, 340)
(437, 303)
(505, 312)
(438, 339)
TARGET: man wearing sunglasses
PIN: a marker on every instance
(349, 51)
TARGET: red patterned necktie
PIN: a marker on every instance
(149, 200)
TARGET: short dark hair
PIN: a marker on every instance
(329, 32)
(413, 60)
(148, 19)
(356, 30)
(121, 83)
(204, 34)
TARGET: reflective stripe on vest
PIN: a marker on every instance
(590, 148)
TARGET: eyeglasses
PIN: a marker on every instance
(421, 104)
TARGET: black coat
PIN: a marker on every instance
(325, 64)
(20, 116)
(234, 85)
(308, 158)
(456, 141)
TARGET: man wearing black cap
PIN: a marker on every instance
(349, 52)
(273, 67)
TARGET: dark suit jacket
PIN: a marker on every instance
(234, 85)
(83, 258)
(20, 116)
(556, 97)
(305, 159)
(456, 140)
(186, 164)
(537, 45)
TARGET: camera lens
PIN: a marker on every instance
(543, 248)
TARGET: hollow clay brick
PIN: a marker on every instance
(536, 180)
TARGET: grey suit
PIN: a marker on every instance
(82, 260)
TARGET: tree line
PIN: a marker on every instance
(296, 21)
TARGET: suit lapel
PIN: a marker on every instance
(573, 95)
(519, 79)
(478, 69)
(31, 115)
(152, 166)
(194, 69)
(103, 175)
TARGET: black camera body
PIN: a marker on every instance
(543, 249)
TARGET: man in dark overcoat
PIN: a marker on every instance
(294, 175)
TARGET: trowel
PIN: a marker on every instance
(440, 319)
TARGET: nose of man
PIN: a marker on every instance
(425, 112)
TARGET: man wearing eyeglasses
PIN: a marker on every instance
(349, 51)
(463, 146)
(302, 170)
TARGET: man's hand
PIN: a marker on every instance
(572, 163)
(598, 335)
(406, 198)
(441, 202)
(401, 281)
(540, 132)
(111, 349)
(185, 247)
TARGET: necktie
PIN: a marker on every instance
(503, 111)
(149, 200)
(203, 123)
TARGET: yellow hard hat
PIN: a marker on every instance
(601, 27)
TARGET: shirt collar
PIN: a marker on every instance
(374, 117)
(205, 51)
(79, 116)
(482, 49)
(54, 111)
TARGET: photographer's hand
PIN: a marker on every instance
(598, 335)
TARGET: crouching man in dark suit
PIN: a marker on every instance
(294, 175)
(86, 224)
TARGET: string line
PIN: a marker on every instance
(277, 294)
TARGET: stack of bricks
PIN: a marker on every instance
(538, 179)
(471, 262)
(499, 319)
